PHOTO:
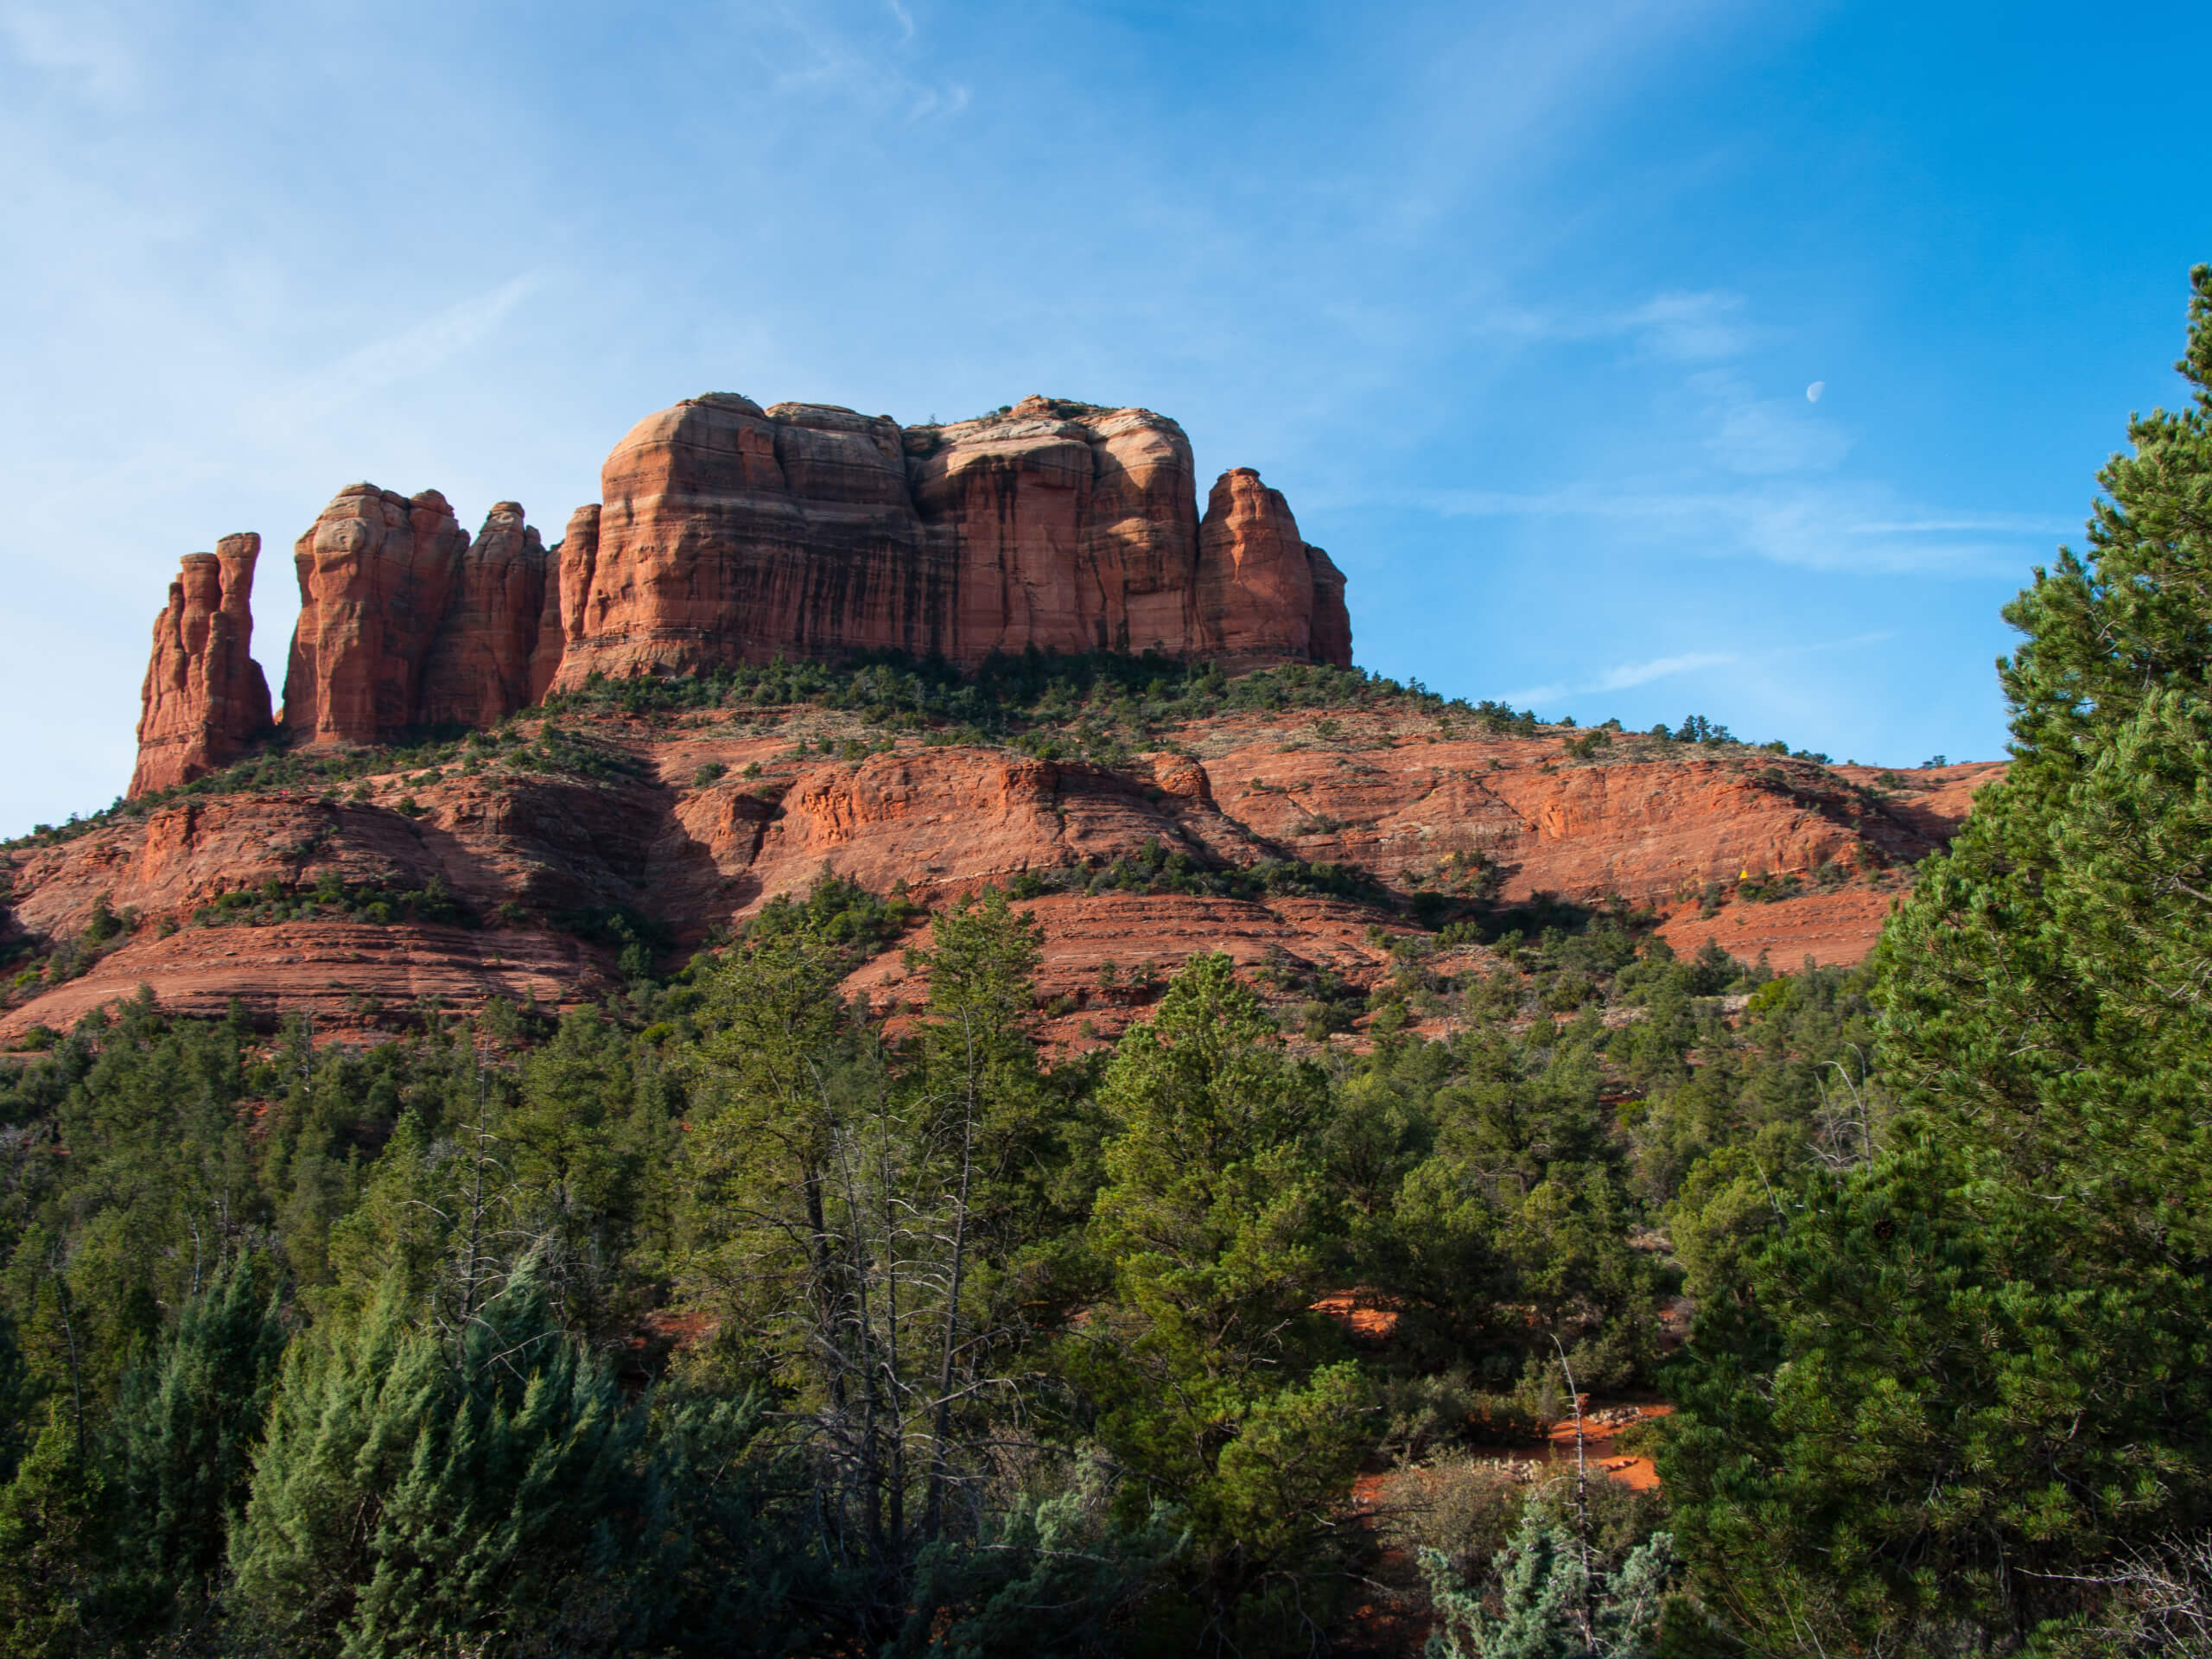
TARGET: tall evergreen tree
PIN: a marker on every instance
(180, 1444)
(1212, 1374)
(407, 1497)
(1968, 1374)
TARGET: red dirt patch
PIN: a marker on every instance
(1363, 1316)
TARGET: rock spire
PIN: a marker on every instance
(205, 703)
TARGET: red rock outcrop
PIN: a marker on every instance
(1264, 594)
(731, 533)
(205, 702)
(342, 973)
(698, 825)
(569, 569)
(728, 535)
(482, 664)
(376, 571)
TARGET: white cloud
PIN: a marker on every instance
(1763, 437)
(82, 46)
(1626, 676)
(1681, 326)
(417, 349)
(1693, 328)
(819, 53)
(1819, 527)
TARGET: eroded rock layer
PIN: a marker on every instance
(730, 533)
(377, 571)
(1264, 594)
(734, 534)
(692, 825)
(482, 664)
(205, 702)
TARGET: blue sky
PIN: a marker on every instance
(1519, 305)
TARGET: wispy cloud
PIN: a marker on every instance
(1702, 326)
(1626, 676)
(418, 348)
(852, 59)
(1765, 437)
(80, 46)
(2020, 524)
(1840, 527)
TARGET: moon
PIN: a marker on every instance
(1812, 392)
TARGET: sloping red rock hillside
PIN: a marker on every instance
(691, 823)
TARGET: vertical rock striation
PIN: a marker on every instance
(204, 703)
(1264, 593)
(376, 571)
(482, 664)
(569, 567)
(729, 533)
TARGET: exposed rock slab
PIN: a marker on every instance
(343, 974)
(482, 663)
(1396, 793)
(729, 533)
(1835, 930)
(1264, 594)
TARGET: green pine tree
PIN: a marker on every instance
(180, 1450)
(1216, 1385)
(402, 1500)
(1960, 1381)
(53, 1539)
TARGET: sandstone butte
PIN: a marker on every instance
(728, 534)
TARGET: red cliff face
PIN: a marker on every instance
(1264, 593)
(731, 533)
(376, 572)
(728, 535)
(710, 819)
(205, 702)
(482, 664)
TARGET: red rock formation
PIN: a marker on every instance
(1142, 531)
(1009, 501)
(734, 534)
(342, 973)
(205, 702)
(1394, 791)
(376, 572)
(568, 573)
(1264, 594)
(728, 535)
(482, 665)
(1331, 638)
